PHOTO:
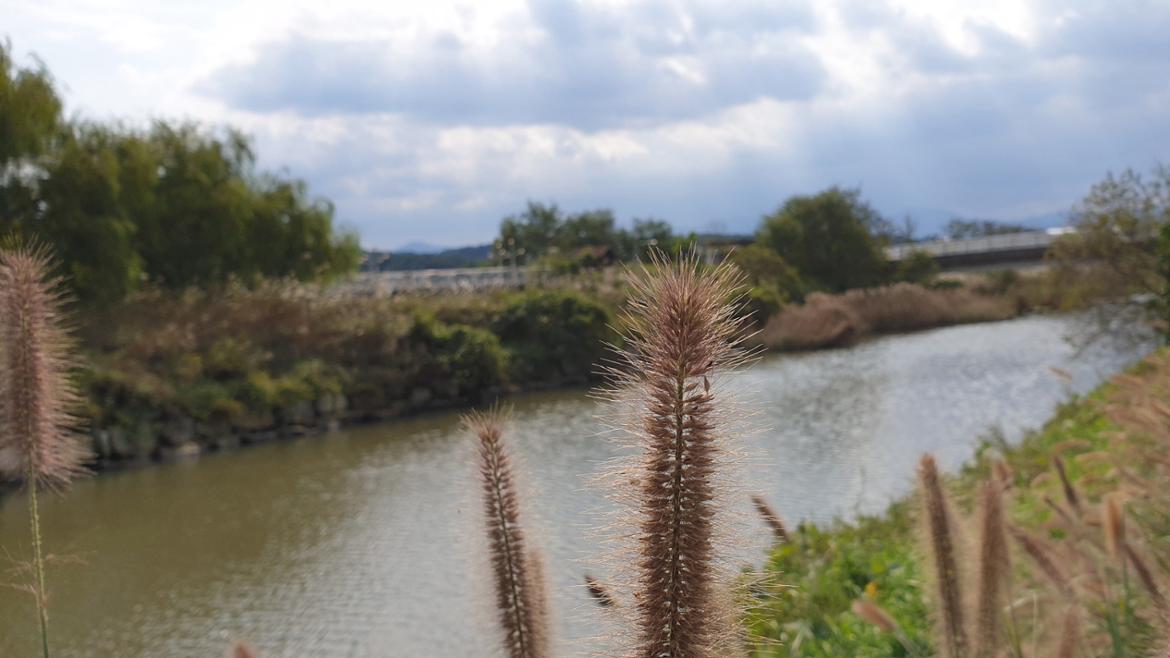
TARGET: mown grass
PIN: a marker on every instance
(1109, 442)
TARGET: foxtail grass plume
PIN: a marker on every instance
(517, 573)
(771, 518)
(599, 592)
(243, 650)
(1043, 559)
(683, 329)
(942, 542)
(873, 613)
(1070, 633)
(1145, 575)
(1070, 492)
(1113, 521)
(38, 441)
(994, 568)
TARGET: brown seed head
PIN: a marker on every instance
(517, 572)
(943, 551)
(994, 567)
(243, 650)
(874, 614)
(1043, 559)
(1070, 492)
(38, 440)
(771, 518)
(1113, 520)
(683, 329)
(599, 592)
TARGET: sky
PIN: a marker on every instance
(431, 121)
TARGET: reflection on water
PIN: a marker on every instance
(362, 543)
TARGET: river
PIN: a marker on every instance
(364, 542)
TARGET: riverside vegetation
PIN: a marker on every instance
(680, 599)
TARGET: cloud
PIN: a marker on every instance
(431, 122)
(576, 65)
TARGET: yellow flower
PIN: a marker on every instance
(871, 590)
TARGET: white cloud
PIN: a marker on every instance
(432, 120)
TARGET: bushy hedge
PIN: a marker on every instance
(553, 335)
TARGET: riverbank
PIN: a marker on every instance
(172, 376)
(1111, 445)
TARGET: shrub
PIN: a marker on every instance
(919, 267)
(466, 361)
(764, 267)
(762, 303)
(553, 335)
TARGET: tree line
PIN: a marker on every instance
(170, 205)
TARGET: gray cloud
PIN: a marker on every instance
(1016, 129)
(592, 69)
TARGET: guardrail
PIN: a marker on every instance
(1031, 241)
(384, 284)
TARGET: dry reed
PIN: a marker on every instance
(517, 572)
(942, 542)
(683, 329)
(38, 441)
(831, 320)
(771, 518)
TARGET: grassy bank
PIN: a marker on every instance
(205, 370)
(1111, 445)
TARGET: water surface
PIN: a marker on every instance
(363, 543)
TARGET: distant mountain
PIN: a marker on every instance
(389, 261)
(420, 248)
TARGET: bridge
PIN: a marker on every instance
(993, 250)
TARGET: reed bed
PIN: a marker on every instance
(826, 320)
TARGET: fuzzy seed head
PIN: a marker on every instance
(994, 567)
(38, 440)
(771, 518)
(683, 329)
(875, 614)
(1113, 520)
(517, 571)
(942, 542)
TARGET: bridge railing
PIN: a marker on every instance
(983, 245)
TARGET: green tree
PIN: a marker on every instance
(1117, 231)
(763, 267)
(94, 188)
(830, 238)
(534, 231)
(650, 234)
(30, 110)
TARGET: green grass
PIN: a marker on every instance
(803, 601)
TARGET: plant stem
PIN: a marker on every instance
(38, 559)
